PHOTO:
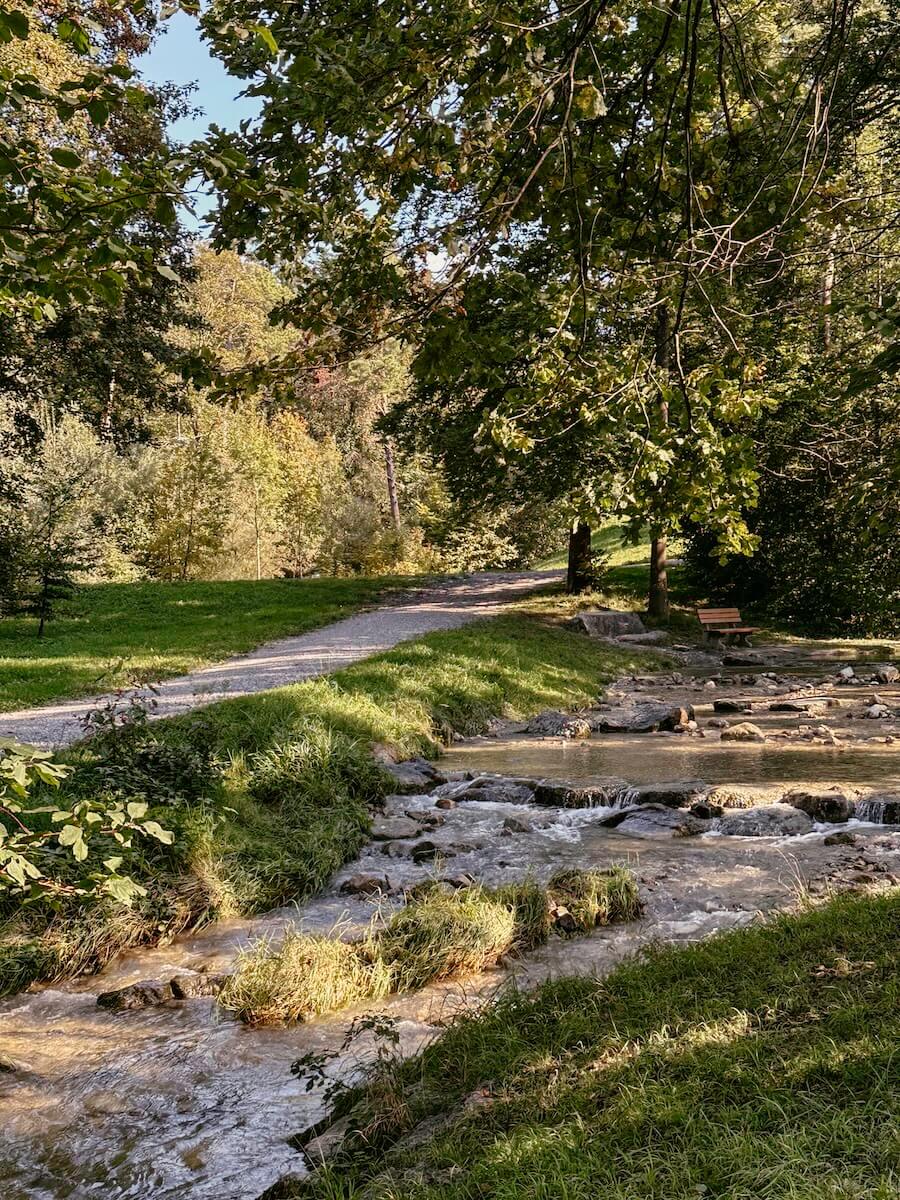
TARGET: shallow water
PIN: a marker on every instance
(655, 758)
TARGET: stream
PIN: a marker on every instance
(178, 1101)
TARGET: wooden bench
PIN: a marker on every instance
(725, 623)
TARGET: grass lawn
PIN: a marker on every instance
(109, 632)
(269, 794)
(762, 1063)
(609, 548)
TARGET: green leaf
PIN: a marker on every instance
(167, 273)
(264, 35)
(65, 158)
(137, 809)
(155, 830)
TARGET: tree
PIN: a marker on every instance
(577, 176)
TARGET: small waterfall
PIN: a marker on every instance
(879, 810)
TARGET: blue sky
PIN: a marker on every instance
(179, 56)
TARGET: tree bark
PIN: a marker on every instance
(658, 600)
(827, 290)
(391, 474)
(580, 574)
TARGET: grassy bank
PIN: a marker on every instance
(108, 632)
(269, 794)
(761, 1063)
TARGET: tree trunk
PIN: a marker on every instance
(391, 474)
(658, 600)
(579, 575)
(658, 606)
(827, 290)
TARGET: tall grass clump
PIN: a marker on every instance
(446, 934)
(597, 897)
(305, 975)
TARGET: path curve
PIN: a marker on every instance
(447, 605)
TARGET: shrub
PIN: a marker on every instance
(306, 975)
(314, 766)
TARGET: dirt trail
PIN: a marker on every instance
(290, 660)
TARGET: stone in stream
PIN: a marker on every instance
(366, 885)
(846, 674)
(552, 723)
(731, 706)
(607, 623)
(882, 808)
(602, 793)
(744, 731)
(644, 717)
(733, 658)
(877, 712)
(423, 852)
(150, 993)
(413, 777)
(771, 820)
(659, 821)
(706, 811)
(515, 825)
(389, 829)
(445, 802)
(497, 789)
(680, 794)
(828, 805)
(842, 838)
(887, 673)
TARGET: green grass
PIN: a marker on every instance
(269, 794)
(609, 547)
(440, 934)
(760, 1064)
(109, 632)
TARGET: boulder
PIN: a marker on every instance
(846, 674)
(735, 658)
(428, 851)
(882, 808)
(366, 885)
(771, 820)
(190, 987)
(651, 637)
(681, 794)
(389, 829)
(562, 919)
(146, 994)
(658, 821)
(644, 717)
(607, 623)
(516, 825)
(731, 706)
(822, 804)
(552, 723)
(605, 793)
(706, 811)
(877, 712)
(445, 802)
(887, 673)
(496, 789)
(743, 732)
(410, 780)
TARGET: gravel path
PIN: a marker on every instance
(446, 606)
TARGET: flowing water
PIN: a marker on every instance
(178, 1101)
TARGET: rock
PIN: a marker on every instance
(319, 1148)
(191, 987)
(553, 723)
(652, 637)
(843, 838)
(743, 732)
(790, 706)
(389, 829)
(887, 673)
(718, 723)
(731, 706)
(495, 789)
(365, 885)
(463, 880)
(607, 623)
(730, 797)
(445, 802)
(733, 658)
(680, 794)
(658, 821)
(877, 712)
(822, 804)
(710, 685)
(846, 674)
(563, 919)
(604, 793)
(514, 825)
(772, 820)
(882, 808)
(429, 851)
(410, 780)
(146, 994)
(644, 717)
(706, 811)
